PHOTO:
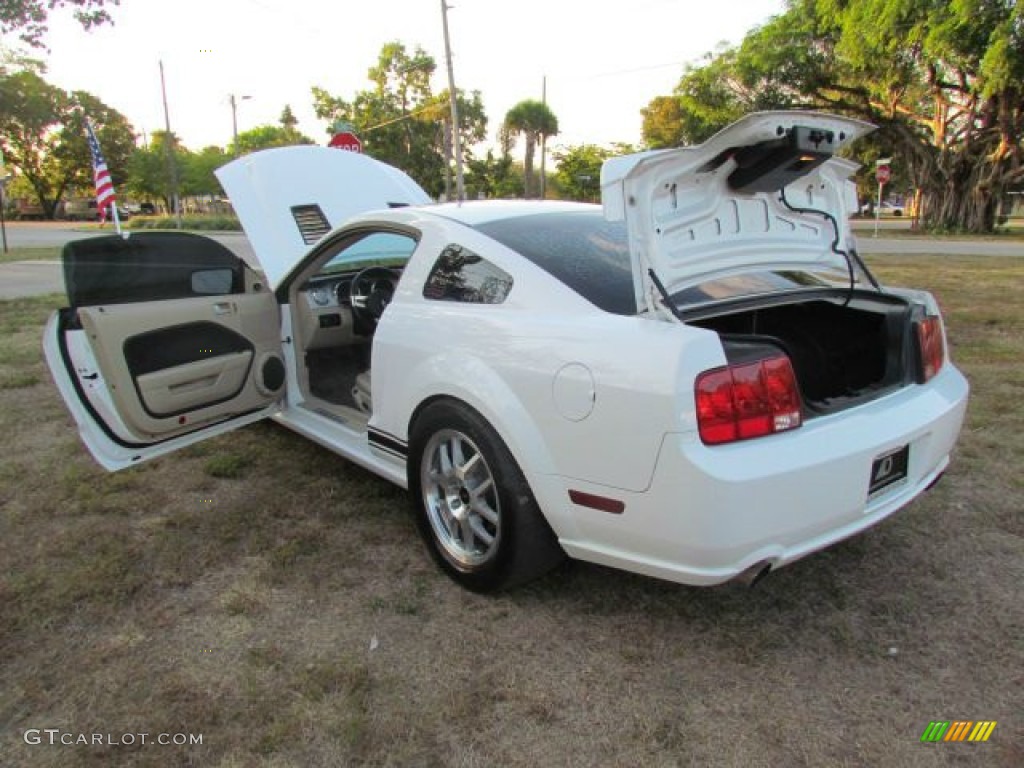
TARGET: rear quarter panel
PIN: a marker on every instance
(503, 360)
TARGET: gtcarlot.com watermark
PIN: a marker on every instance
(56, 737)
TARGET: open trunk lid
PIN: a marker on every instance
(764, 192)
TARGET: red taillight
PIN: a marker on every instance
(747, 400)
(931, 346)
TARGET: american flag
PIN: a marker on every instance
(101, 176)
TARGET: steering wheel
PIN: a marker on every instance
(372, 289)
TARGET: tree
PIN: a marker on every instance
(473, 120)
(148, 174)
(28, 18)
(400, 120)
(493, 177)
(266, 137)
(941, 78)
(663, 123)
(198, 178)
(386, 116)
(536, 122)
(579, 171)
(709, 97)
(42, 135)
(288, 120)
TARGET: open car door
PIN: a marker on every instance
(168, 338)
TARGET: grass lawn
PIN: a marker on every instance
(30, 254)
(262, 593)
(1003, 236)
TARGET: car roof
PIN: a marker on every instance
(477, 212)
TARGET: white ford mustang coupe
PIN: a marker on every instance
(697, 380)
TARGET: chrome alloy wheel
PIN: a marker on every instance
(460, 498)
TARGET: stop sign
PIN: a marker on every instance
(882, 174)
(346, 140)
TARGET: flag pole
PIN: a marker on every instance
(105, 196)
(117, 219)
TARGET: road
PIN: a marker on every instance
(54, 234)
(33, 278)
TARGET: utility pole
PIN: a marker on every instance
(3, 221)
(4, 178)
(234, 120)
(460, 185)
(169, 150)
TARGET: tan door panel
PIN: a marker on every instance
(190, 377)
(186, 387)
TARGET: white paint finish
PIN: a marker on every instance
(711, 513)
(604, 404)
(686, 223)
(751, 129)
(109, 453)
(574, 392)
(502, 360)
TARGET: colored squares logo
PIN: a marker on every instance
(958, 730)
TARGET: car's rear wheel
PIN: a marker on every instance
(475, 509)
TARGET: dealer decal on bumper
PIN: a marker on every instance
(889, 471)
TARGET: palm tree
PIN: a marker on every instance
(536, 122)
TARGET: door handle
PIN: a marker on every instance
(223, 308)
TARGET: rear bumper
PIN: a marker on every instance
(710, 513)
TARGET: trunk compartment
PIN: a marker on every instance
(843, 354)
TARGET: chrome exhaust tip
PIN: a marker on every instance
(752, 575)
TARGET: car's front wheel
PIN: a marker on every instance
(474, 507)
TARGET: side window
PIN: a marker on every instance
(148, 266)
(459, 274)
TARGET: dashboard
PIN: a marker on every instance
(325, 292)
(325, 307)
(325, 311)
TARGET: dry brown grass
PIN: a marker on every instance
(263, 593)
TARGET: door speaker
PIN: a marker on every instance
(270, 374)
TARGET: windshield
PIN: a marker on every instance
(375, 249)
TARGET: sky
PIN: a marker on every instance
(603, 61)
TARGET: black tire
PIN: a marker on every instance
(475, 512)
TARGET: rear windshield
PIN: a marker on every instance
(581, 248)
(757, 283)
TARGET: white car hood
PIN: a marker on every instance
(276, 194)
(693, 212)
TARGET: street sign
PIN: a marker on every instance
(882, 174)
(346, 140)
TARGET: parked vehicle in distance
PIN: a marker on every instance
(140, 209)
(887, 208)
(28, 210)
(698, 380)
(86, 209)
(80, 209)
